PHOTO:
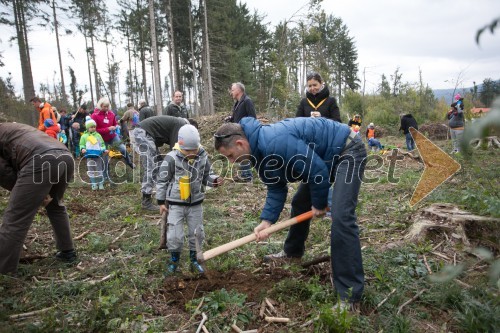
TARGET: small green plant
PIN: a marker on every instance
(333, 320)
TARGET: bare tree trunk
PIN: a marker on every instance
(131, 81)
(143, 58)
(171, 41)
(193, 64)
(63, 87)
(94, 64)
(210, 96)
(111, 76)
(22, 41)
(156, 60)
(90, 70)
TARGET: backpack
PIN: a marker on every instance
(135, 119)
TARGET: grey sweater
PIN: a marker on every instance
(176, 165)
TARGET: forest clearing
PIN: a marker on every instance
(441, 281)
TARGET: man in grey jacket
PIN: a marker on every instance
(150, 134)
(177, 108)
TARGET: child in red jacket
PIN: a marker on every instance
(51, 129)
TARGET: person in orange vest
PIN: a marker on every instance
(370, 132)
(45, 110)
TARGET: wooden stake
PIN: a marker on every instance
(277, 320)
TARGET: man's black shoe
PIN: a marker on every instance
(66, 256)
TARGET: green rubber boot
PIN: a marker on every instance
(195, 265)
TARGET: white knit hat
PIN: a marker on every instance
(89, 122)
(188, 137)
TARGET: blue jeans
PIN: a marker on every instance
(410, 144)
(346, 260)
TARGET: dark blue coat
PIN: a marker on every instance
(297, 149)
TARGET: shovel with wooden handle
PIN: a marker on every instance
(204, 256)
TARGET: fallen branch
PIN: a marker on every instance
(29, 314)
(32, 258)
(250, 331)
(410, 300)
(316, 261)
(204, 329)
(107, 277)
(270, 305)
(204, 318)
(236, 328)
(277, 320)
(122, 233)
(262, 308)
(83, 234)
(383, 301)
(427, 266)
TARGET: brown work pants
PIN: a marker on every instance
(49, 173)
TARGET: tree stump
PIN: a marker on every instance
(445, 217)
(486, 143)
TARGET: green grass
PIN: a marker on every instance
(136, 297)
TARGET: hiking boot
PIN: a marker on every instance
(280, 256)
(174, 262)
(195, 265)
(94, 187)
(147, 203)
(66, 256)
(345, 306)
(101, 186)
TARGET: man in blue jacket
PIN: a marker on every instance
(315, 151)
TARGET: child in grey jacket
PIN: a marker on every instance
(179, 192)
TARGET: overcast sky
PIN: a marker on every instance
(435, 36)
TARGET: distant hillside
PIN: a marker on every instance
(447, 94)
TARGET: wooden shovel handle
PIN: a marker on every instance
(247, 239)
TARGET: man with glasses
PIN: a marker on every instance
(315, 151)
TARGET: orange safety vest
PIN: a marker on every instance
(45, 113)
(370, 133)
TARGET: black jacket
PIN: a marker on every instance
(243, 108)
(145, 112)
(328, 109)
(408, 121)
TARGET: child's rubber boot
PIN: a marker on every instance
(94, 184)
(195, 265)
(174, 261)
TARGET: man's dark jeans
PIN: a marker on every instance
(346, 261)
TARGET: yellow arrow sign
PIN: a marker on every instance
(439, 166)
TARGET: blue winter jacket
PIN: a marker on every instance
(296, 149)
